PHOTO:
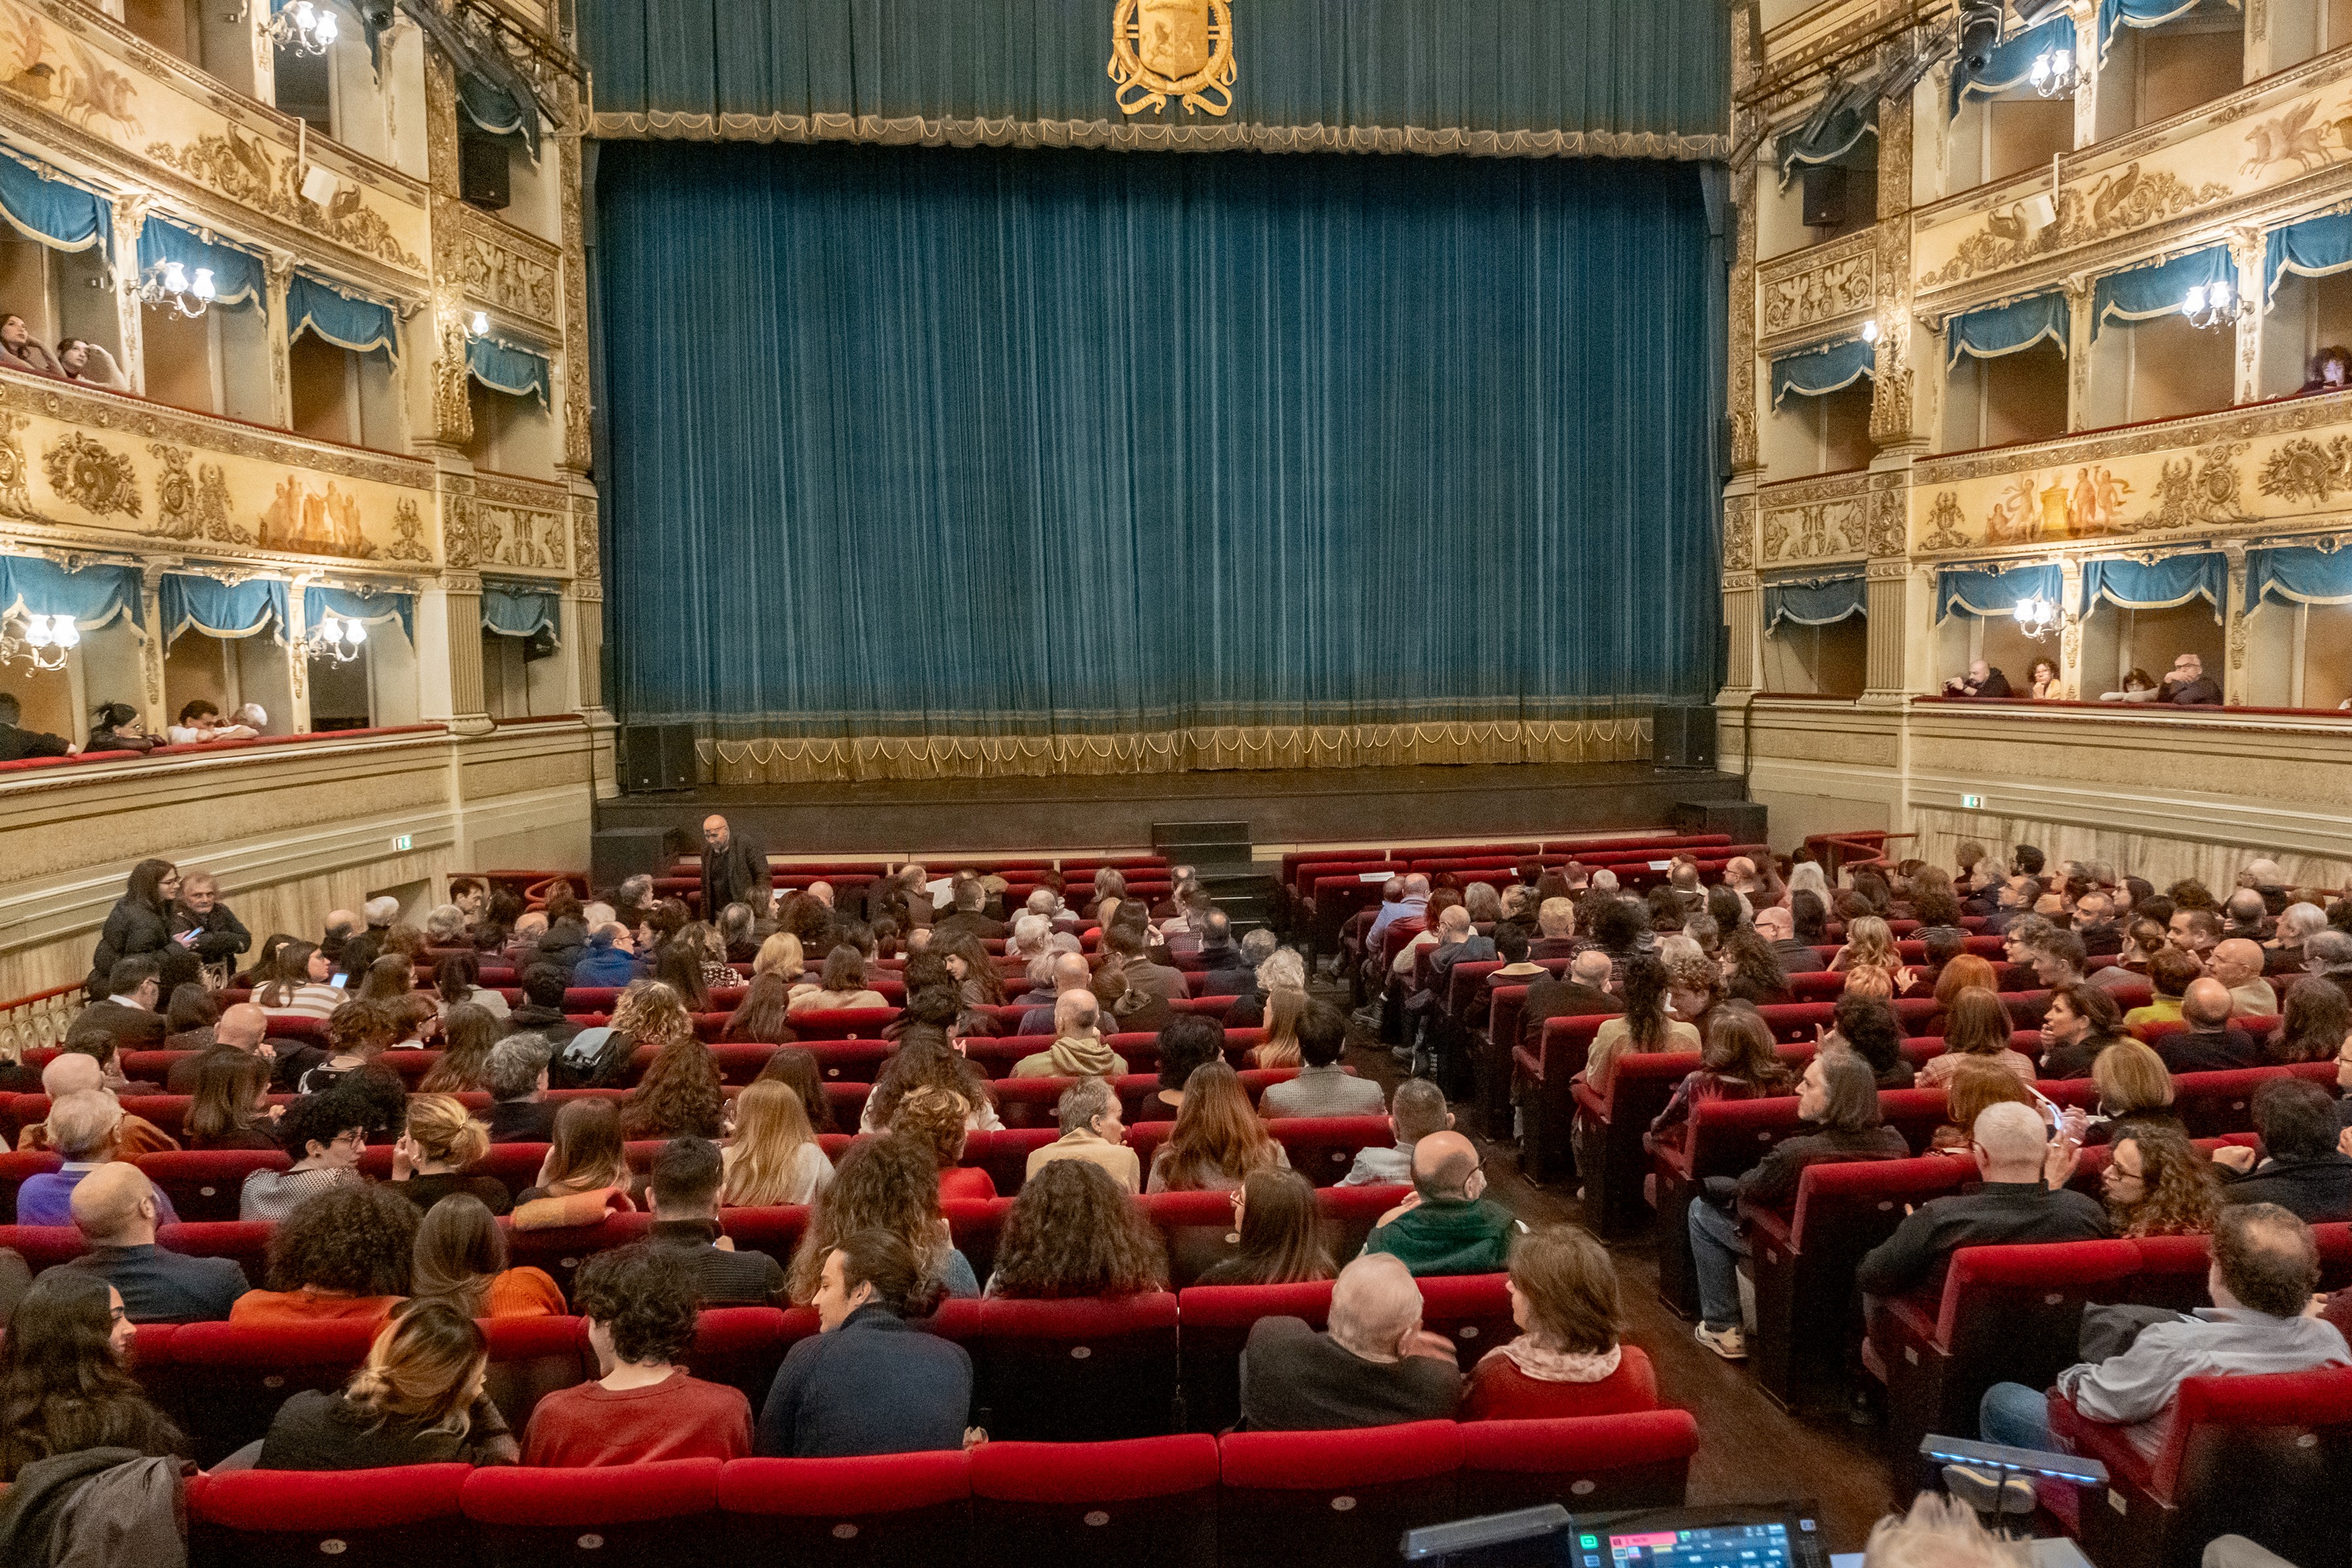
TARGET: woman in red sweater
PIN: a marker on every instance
(1568, 1360)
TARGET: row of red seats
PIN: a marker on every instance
(202, 1183)
(1250, 1499)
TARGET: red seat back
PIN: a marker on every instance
(1149, 1501)
(1590, 1464)
(406, 1517)
(911, 1509)
(1334, 1500)
(205, 1184)
(1217, 1320)
(1078, 1371)
(659, 1514)
(225, 1380)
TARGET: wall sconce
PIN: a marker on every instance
(479, 327)
(43, 643)
(2054, 75)
(337, 639)
(2038, 617)
(168, 283)
(304, 26)
(2218, 305)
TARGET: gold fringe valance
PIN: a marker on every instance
(914, 131)
(848, 760)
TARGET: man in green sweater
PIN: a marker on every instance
(1446, 1226)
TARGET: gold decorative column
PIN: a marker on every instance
(2248, 247)
(1893, 408)
(129, 221)
(1742, 597)
(2233, 615)
(2078, 352)
(277, 276)
(461, 646)
(151, 648)
(588, 594)
(452, 416)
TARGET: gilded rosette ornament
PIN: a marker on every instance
(1182, 49)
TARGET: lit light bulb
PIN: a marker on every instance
(64, 633)
(2195, 302)
(2063, 62)
(176, 278)
(481, 323)
(36, 630)
(2041, 69)
(355, 632)
(202, 288)
(1870, 331)
(331, 629)
(326, 25)
(304, 16)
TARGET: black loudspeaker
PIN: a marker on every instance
(649, 757)
(615, 854)
(1824, 195)
(1683, 735)
(1742, 819)
(483, 164)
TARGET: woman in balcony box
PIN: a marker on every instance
(19, 351)
(80, 360)
(117, 729)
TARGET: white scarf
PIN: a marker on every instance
(1561, 1366)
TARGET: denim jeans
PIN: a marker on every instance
(2013, 1414)
(1716, 1251)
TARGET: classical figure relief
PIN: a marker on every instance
(1827, 529)
(15, 491)
(94, 477)
(2114, 204)
(193, 505)
(2304, 470)
(2295, 137)
(508, 278)
(2032, 511)
(61, 75)
(314, 524)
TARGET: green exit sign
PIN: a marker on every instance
(404, 843)
(1971, 803)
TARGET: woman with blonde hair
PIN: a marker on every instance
(585, 1155)
(416, 1400)
(1284, 1007)
(782, 953)
(1870, 944)
(1079, 1049)
(429, 1161)
(1218, 1139)
(2135, 1090)
(461, 1261)
(773, 1157)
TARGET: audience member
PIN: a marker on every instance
(1285, 1009)
(1377, 1365)
(1072, 1232)
(230, 1107)
(1217, 1139)
(2209, 1044)
(1089, 1113)
(683, 1198)
(679, 1095)
(127, 1013)
(2302, 1170)
(1323, 1087)
(117, 1209)
(19, 743)
(542, 1011)
(1569, 1359)
(516, 1073)
(83, 1128)
(65, 1381)
(1976, 1029)
(1643, 1028)
(881, 1183)
(325, 1135)
(1278, 1233)
(461, 1261)
(1078, 1049)
(344, 1253)
(939, 1120)
(1866, 1027)
(1446, 1225)
(2171, 973)
(2024, 1198)
(643, 1406)
(1416, 1110)
(1975, 1086)
(1190, 1041)
(2157, 1182)
(868, 1382)
(2080, 1022)
(585, 1155)
(842, 986)
(416, 1400)
(2317, 1028)
(441, 1141)
(2188, 684)
(773, 1157)
(2135, 1088)
(1738, 1062)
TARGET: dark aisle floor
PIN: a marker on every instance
(1750, 1449)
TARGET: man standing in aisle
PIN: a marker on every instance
(734, 870)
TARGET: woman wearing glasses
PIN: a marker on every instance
(326, 1133)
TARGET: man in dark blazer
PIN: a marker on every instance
(1583, 994)
(127, 1016)
(734, 870)
(2209, 1044)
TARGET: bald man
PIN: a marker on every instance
(243, 1028)
(70, 1072)
(1779, 927)
(2209, 1044)
(1448, 1226)
(2237, 963)
(1582, 992)
(2024, 1198)
(734, 870)
(1069, 974)
(1376, 1367)
(116, 1210)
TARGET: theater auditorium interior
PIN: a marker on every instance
(1229, 784)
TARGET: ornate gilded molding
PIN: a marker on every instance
(2113, 205)
(154, 421)
(918, 132)
(194, 505)
(512, 272)
(246, 171)
(1818, 521)
(1890, 514)
(1891, 384)
(587, 550)
(1820, 284)
(92, 476)
(453, 413)
(1740, 378)
(578, 433)
(1739, 533)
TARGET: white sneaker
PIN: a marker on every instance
(1729, 1343)
(1989, 1491)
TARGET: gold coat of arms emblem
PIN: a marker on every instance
(1182, 49)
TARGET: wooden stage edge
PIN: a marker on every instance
(1300, 806)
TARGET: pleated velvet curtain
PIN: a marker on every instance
(913, 442)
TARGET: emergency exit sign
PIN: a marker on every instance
(1968, 803)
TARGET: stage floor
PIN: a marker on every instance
(1302, 805)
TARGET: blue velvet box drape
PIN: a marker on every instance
(1992, 590)
(94, 596)
(981, 442)
(193, 604)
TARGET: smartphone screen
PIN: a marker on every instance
(338, 980)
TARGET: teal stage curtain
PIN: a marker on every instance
(984, 442)
(1618, 78)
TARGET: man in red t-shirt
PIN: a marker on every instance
(639, 1303)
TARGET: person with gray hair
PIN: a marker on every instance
(516, 1075)
(2245, 914)
(1410, 901)
(84, 1127)
(1258, 945)
(2024, 1198)
(1279, 968)
(2296, 924)
(1943, 1532)
(1032, 935)
(1376, 1367)
(1068, 972)
(2328, 954)
(1416, 1111)
(445, 926)
(381, 911)
(1092, 1130)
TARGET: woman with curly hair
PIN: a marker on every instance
(679, 1095)
(703, 940)
(1074, 1232)
(65, 1381)
(974, 971)
(649, 1013)
(1643, 1028)
(1975, 1027)
(1870, 944)
(344, 1253)
(416, 1400)
(882, 1184)
(2157, 1182)
(759, 1018)
(1694, 990)
(1284, 1007)
(1218, 1139)
(468, 1033)
(773, 1157)
(1279, 1232)
(925, 1060)
(796, 1067)
(938, 1118)
(1752, 972)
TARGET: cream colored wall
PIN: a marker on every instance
(291, 833)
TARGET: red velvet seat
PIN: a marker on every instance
(1324, 1148)
(774, 1230)
(1600, 1462)
(205, 1184)
(14, 1169)
(406, 1518)
(532, 1358)
(662, 1515)
(44, 1246)
(975, 1223)
(560, 1252)
(1334, 1500)
(225, 1380)
(742, 1346)
(1151, 1502)
(2263, 1457)
(2212, 1104)
(1216, 1323)
(880, 1512)
(246, 1241)
(1473, 1310)
(1078, 1371)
